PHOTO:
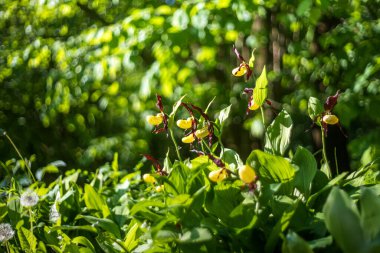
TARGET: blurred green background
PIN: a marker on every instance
(77, 78)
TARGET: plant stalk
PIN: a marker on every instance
(324, 153)
(7, 246)
(175, 145)
(265, 128)
(262, 116)
(31, 220)
(21, 157)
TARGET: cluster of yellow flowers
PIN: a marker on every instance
(246, 174)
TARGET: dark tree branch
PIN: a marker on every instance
(92, 13)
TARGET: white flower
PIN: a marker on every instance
(54, 214)
(29, 199)
(6, 232)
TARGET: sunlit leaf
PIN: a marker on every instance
(343, 221)
(314, 107)
(293, 243)
(261, 88)
(196, 235)
(278, 134)
(95, 201)
(27, 239)
(307, 168)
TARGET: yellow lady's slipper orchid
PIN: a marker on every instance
(239, 71)
(247, 174)
(155, 120)
(253, 106)
(188, 139)
(330, 119)
(185, 123)
(148, 178)
(201, 133)
(218, 175)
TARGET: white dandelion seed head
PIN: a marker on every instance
(6, 232)
(29, 199)
(54, 214)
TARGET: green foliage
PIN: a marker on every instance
(86, 72)
(79, 78)
(260, 93)
(279, 133)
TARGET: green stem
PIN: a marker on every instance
(21, 157)
(205, 144)
(324, 153)
(175, 145)
(31, 220)
(262, 116)
(265, 128)
(7, 246)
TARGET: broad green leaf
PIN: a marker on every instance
(142, 205)
(281, 226)
(130, 239)
(232, 158)
(293, 243)
(85, 242)
(321, 242)
(306, 172)
(68, 227)
(278, 134)
(178, 177)
(93, 200)
(28, 241)
(271, 168)
(109, 244)
(314, 107)
(47, 169)
(261, 89)
(304, 7)
(223, 115)
(166, 236)
(370, 213)
(56, 248)
(179, 200)
(41, 248)
(196, 235)
(103, 223)
(335, 181)
(224, 195)
(243, 217)
(343, 221)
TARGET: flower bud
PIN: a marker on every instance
(185, 123)
(239, 71)
(160, 188)
(218, 175)
(148, 178)
(330, 119)
(247, 174)
(201, 133)
(155, 120)
(188, 139)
